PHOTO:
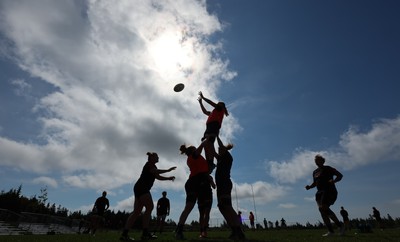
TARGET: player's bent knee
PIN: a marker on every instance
(323, 210)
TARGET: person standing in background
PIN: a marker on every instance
(163, 207)
(345, 216)
(99, 207)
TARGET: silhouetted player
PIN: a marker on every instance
(326, 194)
(224, 189)
(143, 198)
(163, 207)
(345, 216)
(198, 178)
(99, 207)
(213, 125)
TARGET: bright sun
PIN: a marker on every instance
(172, 55)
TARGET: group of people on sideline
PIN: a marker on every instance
(200, 183)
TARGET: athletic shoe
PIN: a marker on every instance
(328, 234)
(148, 236)
(126, 238)
(203, 235)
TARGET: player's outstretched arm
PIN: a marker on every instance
(161, 171)
(163, 178)
(205, 111)
(207, 100)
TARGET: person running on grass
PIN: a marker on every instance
(198, 179)
(324, 178)
(213, 125)
(143, 197)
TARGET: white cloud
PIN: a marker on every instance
(310, 199)
(48, 181)
(287, 205)
(299, 166)
(22, 156)
(124, 205)
(261, 192)
(114, 100)
(22, 87)
(380, 144)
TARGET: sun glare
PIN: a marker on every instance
(171, 55)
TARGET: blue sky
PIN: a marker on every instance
(86, 91)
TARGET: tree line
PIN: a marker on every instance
(14, 201)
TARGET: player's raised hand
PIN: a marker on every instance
(201, 95)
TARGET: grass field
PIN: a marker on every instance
(219, 236)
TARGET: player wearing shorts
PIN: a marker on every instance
(224, 189)
(324, 178)
(143, 197)
(195, 184)
(213, 125)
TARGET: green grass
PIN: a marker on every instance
(219, 236)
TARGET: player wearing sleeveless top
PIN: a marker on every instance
(224, 189)
(213, 126)
(198, 179)
(143, 198)
(324, 178)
